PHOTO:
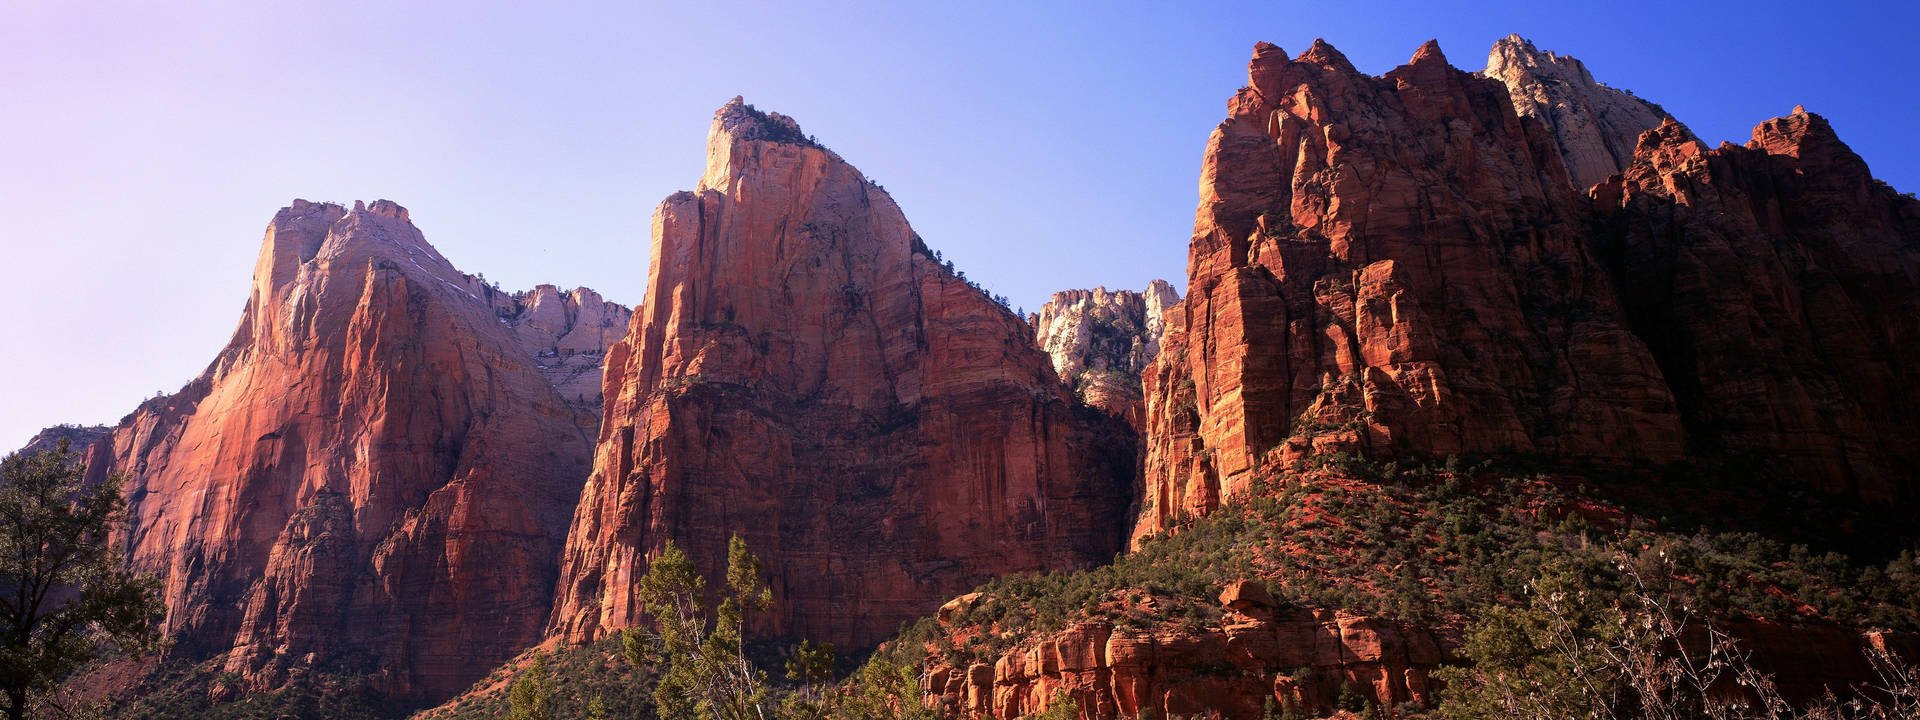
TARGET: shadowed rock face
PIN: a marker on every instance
(1778, 286)
(807, 376)
(1398, 265)
(1392, 264)
(373, 475)
(1101, 341)
(1596, 127)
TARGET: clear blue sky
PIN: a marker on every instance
(144, 146)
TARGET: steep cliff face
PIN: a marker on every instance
(1101, 341)
(1596, 127)
(1395, 265)
(805, 375)
(370, 472)
(1778, 285)
(567, 335)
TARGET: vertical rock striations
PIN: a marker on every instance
(1395, 265)
(1778, 285)
(1596, 127)
(1101, 341)
(804, 374)
(371, 471)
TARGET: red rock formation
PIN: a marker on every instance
(807, 376)
(1595, 127)
(373, 476)
(1233, 668)
(1100, 342)
(1778, 285)
(1396, 265)
(1303, 660)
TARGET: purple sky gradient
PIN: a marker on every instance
(1042, 146)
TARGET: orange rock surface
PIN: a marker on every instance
(1396, 265)
(804, 374)
(372, 477)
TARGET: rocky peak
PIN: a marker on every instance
(1100, 341)
(1350, 269)
(742, 135)
(805, 374)
(1595, 127)
(371, 466)
(77, 437)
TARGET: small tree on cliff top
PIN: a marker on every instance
(64, 597)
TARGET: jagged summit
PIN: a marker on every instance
(1595, 126)
(743, 122)
(1429, 52)
(803, 373)
(387, 449)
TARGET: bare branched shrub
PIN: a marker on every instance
(1572, 655)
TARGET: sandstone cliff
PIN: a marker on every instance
(373, 477)
(804, 374)
(1596, 127)
(1393, 265)
(1101, 341)
(1778, 286)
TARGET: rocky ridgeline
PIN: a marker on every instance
(1595, 127)
(374, 476)
(567, 335)
(1101, 341)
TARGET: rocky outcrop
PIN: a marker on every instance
(1231, 670)
(1101, 341)
(1778, 286)
(1395, 265)
(807, 376)
(373, 477)
(1258, 659)
(1254, 658)
(77, 437)
(1596, 127)
(567, 335)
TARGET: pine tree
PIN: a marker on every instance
(65, 598)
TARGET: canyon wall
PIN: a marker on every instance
(807, 376)
(374, 476)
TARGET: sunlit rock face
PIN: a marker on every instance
(1596, 127)
(807, 376)
(1100, 341)
(372, 471)
(1395, 265)
(1401, 266)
